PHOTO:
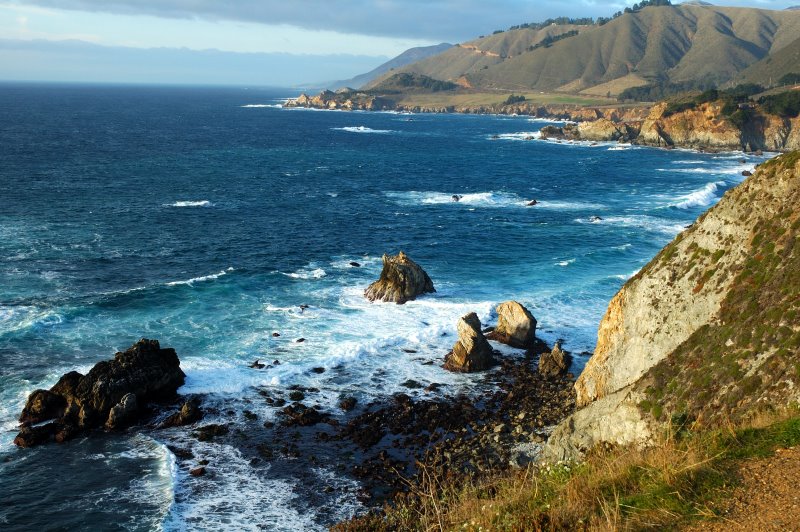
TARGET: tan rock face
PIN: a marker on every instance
(516, 326)
(401, 280)
(472, 351)
(554, 363)
(601, 129)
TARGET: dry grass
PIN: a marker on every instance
(664, 486)
(474, 99)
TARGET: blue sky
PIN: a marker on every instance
(351, 35)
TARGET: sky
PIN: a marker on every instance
(263, 42)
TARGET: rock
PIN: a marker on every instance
(188, 414)
(554, 363)
(145, 372)
(301, 415)
(198, 471)
(276, 335)
(355, 264)
(411, 384)
(457, 197)
(209, 432)
(347, 403)
(532, 203)
(296, 396)
(516, 326)
(300, 340)
(257, 365)
(595, 219)
(401, 280)
(472, 351)
(123, 413)
(747, 173)
(318, 370)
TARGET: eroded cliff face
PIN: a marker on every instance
(703, 126)
(709, 330)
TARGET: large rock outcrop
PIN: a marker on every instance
(111, 394)
(516, 326)
(401, 280)
(554, 363)
(472, 351)
(708, 330)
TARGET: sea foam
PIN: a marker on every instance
(202, 203)
(702, 197)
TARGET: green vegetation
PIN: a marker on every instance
(786, 104)
(406, 81)
(587, 21)
(673, 483)
(793, 78)
(514, 98)
(548, 41)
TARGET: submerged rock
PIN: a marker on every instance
(472, 351)
(516, 326)
(554, 363)
(401, 280)
(111, 394)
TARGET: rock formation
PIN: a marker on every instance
(555, 362)
(707, 330)
(401, 280)
(111, 394)
(516, 326)
(472, 351)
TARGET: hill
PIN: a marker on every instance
(683, 43)
(484, 52)
(771, 70)
(708, 331)
(411, 55)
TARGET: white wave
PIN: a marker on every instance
(263, 105)
(201, 279)
(202, 203)
(237, 497)
(701, 197)
(17, 318)
(316, 273)
(522, 135)
(568, 205)
(550, 121)
(362, 129)
(565, 263)
(480, 199)
(648, 223)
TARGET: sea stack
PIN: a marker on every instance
(472, 351)
(401, 280)
(111, 394)
(516, 326)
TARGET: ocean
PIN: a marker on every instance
(205, 218)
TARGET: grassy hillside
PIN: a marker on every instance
(411, 55)
(770, 70)
(656, 44)
(475, 55)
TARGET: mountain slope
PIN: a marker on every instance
(772, 68)
(709, 331)
(474, 55)
(412, 55)
(676, 43)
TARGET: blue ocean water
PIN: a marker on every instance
(205, 217)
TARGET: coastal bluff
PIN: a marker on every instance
(707, 331)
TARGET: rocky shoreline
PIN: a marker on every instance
(704, 128)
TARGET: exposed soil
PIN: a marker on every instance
(768, 498)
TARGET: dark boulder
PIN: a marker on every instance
(401, 280)
(111, 394)
(554, 363)
(188, 414)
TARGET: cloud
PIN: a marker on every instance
(437, 20)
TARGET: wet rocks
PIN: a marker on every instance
(472, 351)
(209, 432)
(516, 326)
(111, 394)
(188, 414)
(301, 415)
(198, 471)
(401, 280)
(347, 403)
(554, 363)
(123, 413)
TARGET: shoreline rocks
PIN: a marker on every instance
(516, 326)
(401, 280)
(472, 351)
(112, 394)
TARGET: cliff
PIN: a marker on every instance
(708, 331)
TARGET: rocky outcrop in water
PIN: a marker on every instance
(472, 351)
(112, 394)
(401, 280)
(516, 326)
(707, 331)
(554, 363)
